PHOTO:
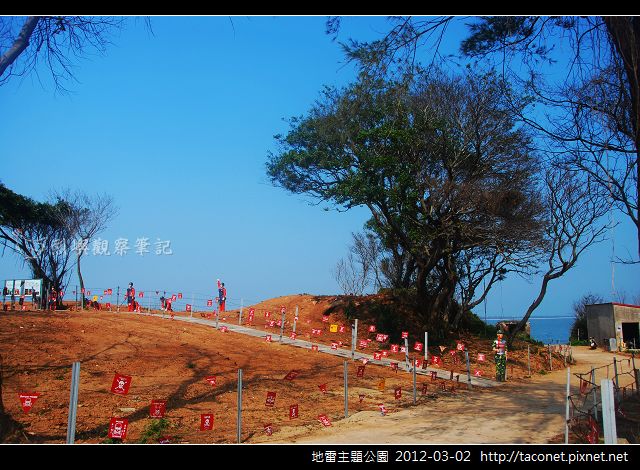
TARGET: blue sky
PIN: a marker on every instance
(177, 127)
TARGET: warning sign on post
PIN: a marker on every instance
(372, 328)
(293, 411)
(27, 400)
(206, 421)
(324, 419)
(157, 408)
(342, 329)
(418, 346)
(271, 399)
(118, 428)
(360, 372)
(211, 379)
(323, 388)
(363, 343)
(268, 429)
(210, 303)
(397, 393)
(121, 384)
(291, 375)
(481, 357)
(405, 334)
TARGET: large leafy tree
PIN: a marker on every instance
(440, 164)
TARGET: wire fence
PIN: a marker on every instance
(585, 405)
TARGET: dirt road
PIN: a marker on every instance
(531, 412)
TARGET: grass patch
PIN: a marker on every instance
(154, 430)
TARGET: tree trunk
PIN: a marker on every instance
(19, 45)
(625, 34)
(536, 303)
(81, 281)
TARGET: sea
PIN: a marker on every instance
(549, 330)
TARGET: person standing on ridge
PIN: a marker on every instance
(222, 296)
(131, 298)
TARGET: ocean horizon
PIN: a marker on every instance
(549, 330)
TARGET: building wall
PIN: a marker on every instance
(600, 321)
(624, 314)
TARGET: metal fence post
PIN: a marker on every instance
(73, 403)
(594, 394)
(239, 426)
(346, 390)
(550, 363)
(566, 411)
(354, 338)
(466, 356)
(426, 346)
(406, 353)
(615, 373)
(414, 382)
(282, 326)
(117, 299)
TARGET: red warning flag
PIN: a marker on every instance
(342, 329)
(334, 345)
(179, 295)
(109, 291)
(118, 428)
(165, 440)
(372, 328)
(206, 421)
(477, 373)
(325, 318)
(27, 400)
(363, 343)
(121, 384)
(314, 347)
(268, 429)
(140, 294)
(293, 411)
(361, 397)
(293, 335)
(324, 419)
(418, 346)
(157, 408)
(460, 346)
(268, 338)
(403, 349)
(380, 337)
(174, 298)
(425, 387)
(394, 366)
(210, 303)
(291, 375)
(316, 331)
(323, 388)
(224, 329)
(436, 360)
(360, 372)
(397, 393)
(395, 348)
(481, 357)
(405, 334)
(267, 314)
(211, 379)
(188, 308)
(383, 409)
(271, 399)
(377, 356)
(385, 353)
(419, 362)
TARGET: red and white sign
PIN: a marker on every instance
(325, 318)
(279, 323)
(324, 419)
(403, 349)
(360, 372)
(109, 291)
(395, 348)
(377, 356)
(211, 379)
(316, 331)
(323, 388)
(293, 411)
(268, 429)
(419, 362)
(271, 399)
(103, 292)
(385, 353)
(361, 397)
(363, 343)
(188, 308)
(282, 310)
(481, 357)
(436, 360)
(380, 337)
(210, 303)
(121, 384)
(334, 345)
(291, 375)
(267, 314)
(179, 295)
(460, 346)
(224, 329)
(418, 346)
(405, 334)
(174, 298)
(165, 440)
(268, 338)
(365, 361)
(453, 352)
(477, 373)
(425, 387)
(206, 421)
(140, 294)
(314, 347)
(394, 366)
(251, 314)
(157, 408)
(397, 393)
(272, 323)
(118, 428)
(27, 400)
(293, 335)
(383, 409)
(107, 305)
(342, 329)
(434, 375)
(372, 328)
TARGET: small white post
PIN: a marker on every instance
(608, 412)
(73, 403)
(414, 382)
(346, 390)
(594, 394)
(239, 424)
(406, 353)
(295, 320)
(282, 326)
(426, 346)
(354, 338)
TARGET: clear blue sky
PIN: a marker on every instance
(177, 127)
